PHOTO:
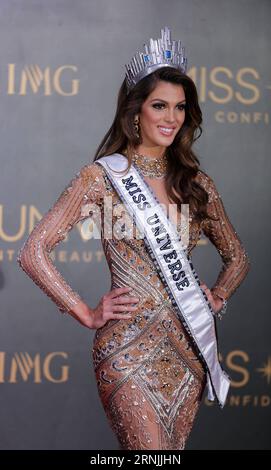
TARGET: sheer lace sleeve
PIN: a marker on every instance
(222, 234)
(72, 206)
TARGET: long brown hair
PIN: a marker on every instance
(183, 164)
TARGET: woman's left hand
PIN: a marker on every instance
(215, 301)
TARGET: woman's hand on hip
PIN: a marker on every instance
(215, 301)
(110, 306)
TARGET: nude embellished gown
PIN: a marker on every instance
(149, 377)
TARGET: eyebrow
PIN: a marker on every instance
(159, 99)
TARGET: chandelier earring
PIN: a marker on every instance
(136, 126)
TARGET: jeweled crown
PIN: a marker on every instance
(161, 52)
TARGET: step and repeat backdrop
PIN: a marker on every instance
(62, 63)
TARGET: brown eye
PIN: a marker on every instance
(181, 107)
(157, 105)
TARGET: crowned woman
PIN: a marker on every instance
(155, 345)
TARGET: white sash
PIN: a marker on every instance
(165, 248)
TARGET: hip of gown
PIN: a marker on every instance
(149, 378)
(153, 345)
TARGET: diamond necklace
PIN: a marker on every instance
(149, 166)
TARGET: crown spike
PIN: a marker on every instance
(135, 64)
(159, 52)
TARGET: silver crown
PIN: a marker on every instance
(161, 52)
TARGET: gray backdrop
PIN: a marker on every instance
(51, 127)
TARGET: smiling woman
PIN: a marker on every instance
(166, 116)
(164, 105)
(155, 346)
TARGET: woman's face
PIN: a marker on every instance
(161, 117)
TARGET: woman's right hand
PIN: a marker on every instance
(111, 303)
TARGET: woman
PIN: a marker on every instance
(150, 373)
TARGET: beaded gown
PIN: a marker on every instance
(149, 377)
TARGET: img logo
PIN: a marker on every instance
(32, 79)
(34, 368)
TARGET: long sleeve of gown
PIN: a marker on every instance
(72, 206)
(223, 236)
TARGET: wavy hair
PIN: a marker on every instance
(183, 164)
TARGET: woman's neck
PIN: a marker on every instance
(150, 152)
